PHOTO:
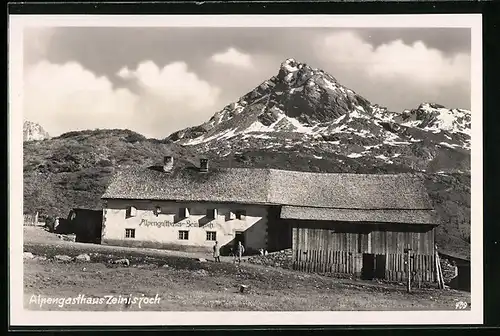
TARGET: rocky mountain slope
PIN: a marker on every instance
(301, 119)
(33, 131)
(73, 169)
(306, 108)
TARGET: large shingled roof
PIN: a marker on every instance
(273, 187)
(348, 191)
(248, 186)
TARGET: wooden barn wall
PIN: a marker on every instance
(279, 231)
(340, 248)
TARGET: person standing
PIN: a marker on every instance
(56, 224)
(455, 269)
(217, 252)
(454, 281)
(240, 249)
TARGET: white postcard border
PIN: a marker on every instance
(19, 316)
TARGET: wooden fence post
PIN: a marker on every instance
(408, 269)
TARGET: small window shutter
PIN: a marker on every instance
(212, 213)
(230, 215)
(130, 211)
(183, 212)
(240, 214)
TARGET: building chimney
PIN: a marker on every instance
(203, 165)
(168, 163)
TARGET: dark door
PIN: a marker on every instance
(239, 236)
(368, 269)
(380, 266)
(464, 277)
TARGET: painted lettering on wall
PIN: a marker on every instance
(167, 223)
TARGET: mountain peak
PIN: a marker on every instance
(305, 103)
(427, 105)
(436, 117)
(33, 131)
(290, 61)
(291, 65)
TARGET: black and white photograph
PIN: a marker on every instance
(245, 169)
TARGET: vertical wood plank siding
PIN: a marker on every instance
(339, 249)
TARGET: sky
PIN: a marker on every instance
(158, 80)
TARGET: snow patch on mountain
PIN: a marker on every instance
(448, 145)
(436, 118)
(224, 135)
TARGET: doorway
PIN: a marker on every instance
(239, 236)
(373, 266)
(380, 266)
(368, 268)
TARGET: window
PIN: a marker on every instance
(130, 212)
(157, 210)
(240, 214)
(211, 213)
(363, 243)
(183, 213)
(129, 233)
(183, 235)
(211, 235)
(230, 215)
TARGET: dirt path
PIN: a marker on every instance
(35, 236)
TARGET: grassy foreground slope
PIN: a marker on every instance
(182, 283)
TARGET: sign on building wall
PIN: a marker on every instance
(168, 223)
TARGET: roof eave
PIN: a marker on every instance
(186, 201)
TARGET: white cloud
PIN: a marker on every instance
(172, 84)
(233, 57)
(69, 97)
(416, 63)
(124, 73)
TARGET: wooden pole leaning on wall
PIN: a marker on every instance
(437, 268)
(439, 273)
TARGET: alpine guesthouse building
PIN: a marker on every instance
(355, 224)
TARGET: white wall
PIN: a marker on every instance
(164, 228)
